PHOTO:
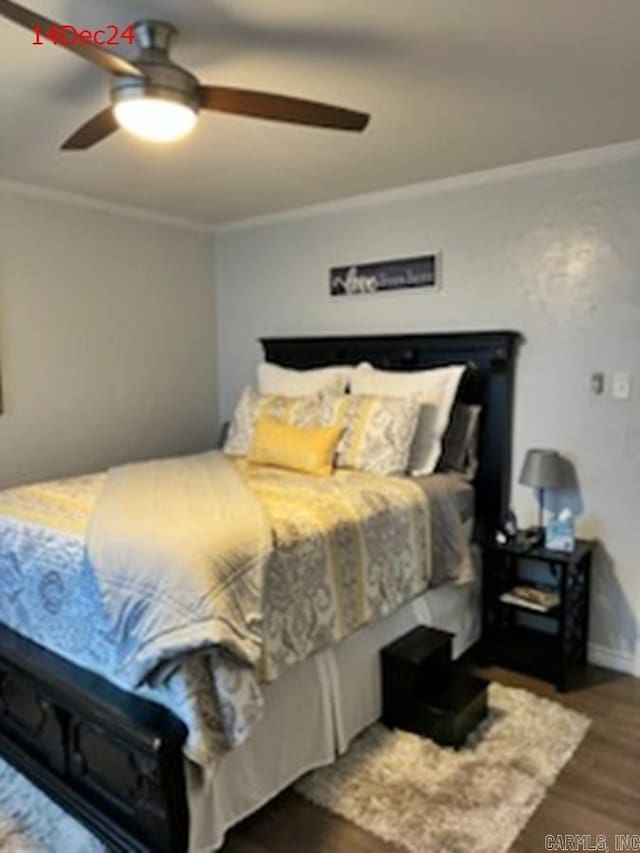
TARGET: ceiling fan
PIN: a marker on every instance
(154, 98)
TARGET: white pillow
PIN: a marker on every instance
(287, 382)
(435, 389)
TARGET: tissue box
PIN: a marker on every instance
(560, 535)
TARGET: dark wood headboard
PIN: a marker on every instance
(489, 381)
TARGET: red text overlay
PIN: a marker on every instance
(68, 35)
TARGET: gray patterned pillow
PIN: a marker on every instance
(313, 410)
(460, 441)
(378, 433)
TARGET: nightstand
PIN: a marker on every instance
(551, 642)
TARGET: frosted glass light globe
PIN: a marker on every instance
(155, 119)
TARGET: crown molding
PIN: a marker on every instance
(103, 206)
(572, 161)
(584, 159)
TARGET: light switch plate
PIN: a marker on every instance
(621, 386)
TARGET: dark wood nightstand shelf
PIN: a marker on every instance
(550, 644)
(425, 692)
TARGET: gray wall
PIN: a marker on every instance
(106, 345)
(555, 255)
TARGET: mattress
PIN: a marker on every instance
(48, 592)
(452, 501)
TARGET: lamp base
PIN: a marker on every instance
(531, 537)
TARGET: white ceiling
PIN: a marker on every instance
(453, 86)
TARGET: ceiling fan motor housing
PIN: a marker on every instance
(163, 78)
(154, 35)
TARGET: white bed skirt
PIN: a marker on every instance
(313, 712)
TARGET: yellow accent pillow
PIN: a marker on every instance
(307, 449)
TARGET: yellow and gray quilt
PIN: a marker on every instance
(345, 551)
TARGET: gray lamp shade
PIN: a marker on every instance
(542, 469)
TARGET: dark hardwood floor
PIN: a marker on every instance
(597, 793)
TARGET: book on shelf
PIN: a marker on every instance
(535, 598)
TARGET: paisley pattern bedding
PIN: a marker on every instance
(48, 593)
(347, 550)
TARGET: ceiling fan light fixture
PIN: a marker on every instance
(155, 119)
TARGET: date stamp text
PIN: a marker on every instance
(67, 35)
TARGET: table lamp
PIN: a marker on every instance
(542, 470)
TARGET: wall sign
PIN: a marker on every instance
(383, 276)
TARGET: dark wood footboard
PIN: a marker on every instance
(112, 760)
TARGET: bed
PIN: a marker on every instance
(116, 760)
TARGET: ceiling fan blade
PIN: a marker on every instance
(280, 108)
(99, 56)
(92, 132)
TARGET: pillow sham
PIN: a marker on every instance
(378, 433)
(288, 382)
(435, 389)
(460, 441)
(310, 450)
(311, 410)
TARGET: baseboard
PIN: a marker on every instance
(614, 659)
(598, 655)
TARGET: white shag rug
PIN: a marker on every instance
(425, 798)
(32, 823)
